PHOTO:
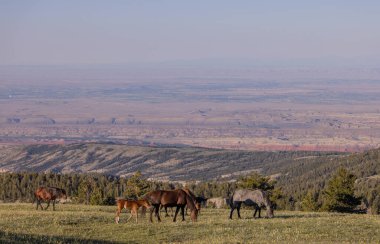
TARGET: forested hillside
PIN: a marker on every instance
(311, 174)
(206, 171)
(157, 163)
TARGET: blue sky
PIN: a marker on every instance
(122, 32)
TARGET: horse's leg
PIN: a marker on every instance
(259, 212)
(254, 215)
(151, 213)
(183, 212)
(136, 214)
(158, 213)
(54, 205)
(232, 210)
(130, 216)
(238, 210)
(39, 204)
(143, 211)
(117, 218)
(48, 204)
(175, 215)
(166, 211)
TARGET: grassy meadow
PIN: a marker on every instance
(95, 224)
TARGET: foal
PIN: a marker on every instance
(132, 205)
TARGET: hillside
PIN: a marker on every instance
(302, 175)
(154, 162)
(296, 172)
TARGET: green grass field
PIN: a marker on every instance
(95, 224)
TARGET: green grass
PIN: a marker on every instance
(95, 224)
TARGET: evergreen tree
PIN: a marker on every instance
(256, 181)
(136, 186)
(96, 197)
(310, 202)
(339, 193)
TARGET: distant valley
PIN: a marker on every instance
(244, 109)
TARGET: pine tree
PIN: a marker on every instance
(96, 197)
(339, 193)
(310, 202)
(256, 181)
(136, 186)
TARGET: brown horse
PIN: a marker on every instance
(192, 195)
(49, 194)
(174, 198)
(132, 206)
(195, 200)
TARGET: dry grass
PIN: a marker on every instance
(95, 224)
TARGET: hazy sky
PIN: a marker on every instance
(96, 32)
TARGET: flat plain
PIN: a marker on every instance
(95, 224)
(249, 109)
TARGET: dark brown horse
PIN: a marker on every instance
(195, 200)
(49, 194)
(174, 198)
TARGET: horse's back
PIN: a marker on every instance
(248, 196)
(48, 193)
(157, 196)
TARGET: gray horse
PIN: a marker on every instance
(255, 198)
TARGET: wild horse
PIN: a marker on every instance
(132, 205)
(49, 194)
(256, 198)
(174, 198)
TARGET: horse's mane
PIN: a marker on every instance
(190, 199)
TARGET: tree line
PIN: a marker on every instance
(339, 194)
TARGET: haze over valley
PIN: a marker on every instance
(320, 109)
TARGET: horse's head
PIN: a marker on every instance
(269, 205)
(146, 204)
(194, 215)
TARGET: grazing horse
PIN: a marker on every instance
(49, 194)
(174, 198)
(256, 198)
(132, 206)
(192, 195)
